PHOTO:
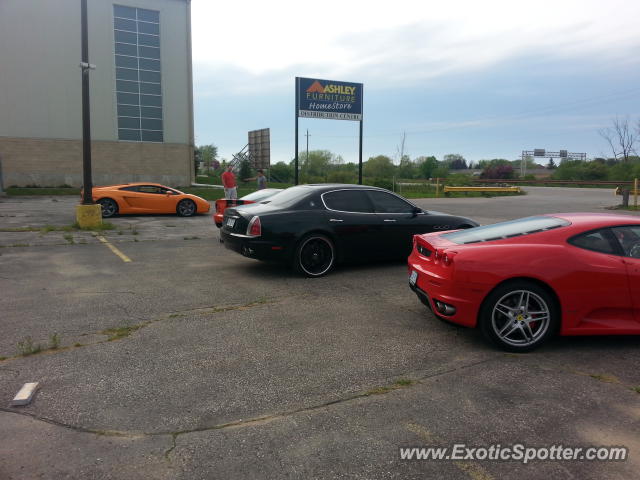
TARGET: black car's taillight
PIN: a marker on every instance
(254, 229)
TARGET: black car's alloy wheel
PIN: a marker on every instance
(519, 316)
(186, 208)
(314, 256)
(109, 207)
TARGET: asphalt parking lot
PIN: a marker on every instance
(224, 367)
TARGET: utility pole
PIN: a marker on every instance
(88, 214)
(87, 198)
(307, 135)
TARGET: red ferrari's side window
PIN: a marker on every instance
(596, 240)
(629, 239)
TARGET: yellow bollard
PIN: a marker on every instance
(89, 216)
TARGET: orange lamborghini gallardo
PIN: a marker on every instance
(147, 198)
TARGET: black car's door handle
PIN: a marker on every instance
(389, 220)
(335, 220)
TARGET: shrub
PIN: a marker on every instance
(381, 183)
(341, 177)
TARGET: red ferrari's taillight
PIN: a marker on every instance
(255, 227)
(447, 258)
(443, 256)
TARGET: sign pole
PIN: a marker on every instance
(328, 99)
(360, 158)
(297, 110)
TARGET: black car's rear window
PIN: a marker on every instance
(260, 195)
(499, 231)
(290, 196)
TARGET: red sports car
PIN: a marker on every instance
(522, 281)
(254, 197)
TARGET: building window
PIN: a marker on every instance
(138, 86)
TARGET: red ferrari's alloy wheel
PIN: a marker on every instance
(519, 316)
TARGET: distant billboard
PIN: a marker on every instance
(330, 99)
(260, 148)
(539, 152)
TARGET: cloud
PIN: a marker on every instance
(253, 45)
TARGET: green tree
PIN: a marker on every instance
(455, 161)
(568, 170)
(442, 171)
(495, 162)
(208, 154)
(245, 170)
(426, 166)
(407, 168)
(317, 164)
(379, 167)
(594, 171)
(342, 176)
(281, 172)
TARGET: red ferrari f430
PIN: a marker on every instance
(525, 280)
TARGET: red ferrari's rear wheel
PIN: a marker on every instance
(519, 316)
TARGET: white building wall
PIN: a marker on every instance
(40, 80)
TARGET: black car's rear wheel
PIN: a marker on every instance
(109, 207)
(315, 255)
(519, 316)
(186, 208)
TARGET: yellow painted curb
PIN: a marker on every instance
(89, 216)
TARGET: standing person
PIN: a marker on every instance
(261, 179)
(229, 184)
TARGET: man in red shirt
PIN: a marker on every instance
(229, 184)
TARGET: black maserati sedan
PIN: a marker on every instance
(314, 227)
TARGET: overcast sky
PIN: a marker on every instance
(484, 79)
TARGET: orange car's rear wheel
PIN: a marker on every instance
(109, 207)
(186, 208)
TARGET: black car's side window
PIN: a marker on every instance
(629, 239)
(597, 240)
(355, 201)
(387, 203)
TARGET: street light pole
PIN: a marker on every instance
(88, 214)
(87, 197)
